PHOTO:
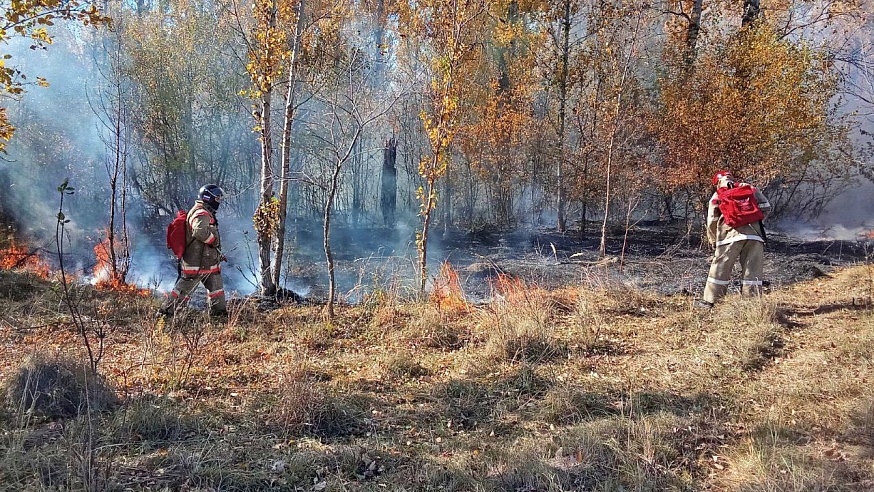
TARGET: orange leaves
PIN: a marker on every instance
(269, 48)
(31, 19)
(754, 104)
(6, 130)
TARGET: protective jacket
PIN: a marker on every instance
(203, 251)
(719, 234)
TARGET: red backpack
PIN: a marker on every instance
(739, 206)
(176, 234)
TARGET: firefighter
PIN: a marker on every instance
(201, 261)
(745, 243)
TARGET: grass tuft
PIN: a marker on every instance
(568, 405)
(402, 366)
(303, 406)
(519, 325)
(151, 419)
(767, 343)
(467, 403)
(56, 388)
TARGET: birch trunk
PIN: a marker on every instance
(284, 174)
(265, 238)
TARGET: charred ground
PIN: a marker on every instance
(659, 258)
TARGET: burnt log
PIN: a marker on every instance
(388, 196)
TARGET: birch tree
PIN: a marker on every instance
(450, 28)
(291, 104)
(267, 52)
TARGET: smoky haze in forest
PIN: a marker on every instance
(540, 135)
(59, 137)
(849, 216)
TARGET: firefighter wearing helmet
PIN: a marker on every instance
(202, 257)
(734, 228)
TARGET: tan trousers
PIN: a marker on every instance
(751, 256)
(186, 284)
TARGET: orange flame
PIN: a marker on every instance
(515, 291)
(109, 279)
(447, 292)
(18, 257)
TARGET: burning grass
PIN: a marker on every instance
(446, 292)
(518, 324)
(110, 270)
(584, 388)
(17, 257)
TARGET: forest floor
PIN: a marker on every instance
(596, 386)
(663, 259)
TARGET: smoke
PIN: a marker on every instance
(59, 138)
(54, 141)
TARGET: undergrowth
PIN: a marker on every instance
(598, 388)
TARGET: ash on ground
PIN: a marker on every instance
(658, 259)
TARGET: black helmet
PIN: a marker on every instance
(211, 195)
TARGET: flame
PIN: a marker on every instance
(515, 291)
(509, 286)
(109, 279)
(18, 257)
(447, 292)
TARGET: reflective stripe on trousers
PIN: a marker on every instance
(750, 254)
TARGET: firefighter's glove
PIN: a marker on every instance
(224, 258)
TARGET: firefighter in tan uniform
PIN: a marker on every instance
(201, 261)
(745, 244)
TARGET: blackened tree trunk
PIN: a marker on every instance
(752, 9)
(388, 197)
(561, 222)
(326, 234)
(693, 31)
(358, 183)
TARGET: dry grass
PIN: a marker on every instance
(518, 325)
(599, 388)
(55, 388)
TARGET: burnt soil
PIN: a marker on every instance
(662, 259)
